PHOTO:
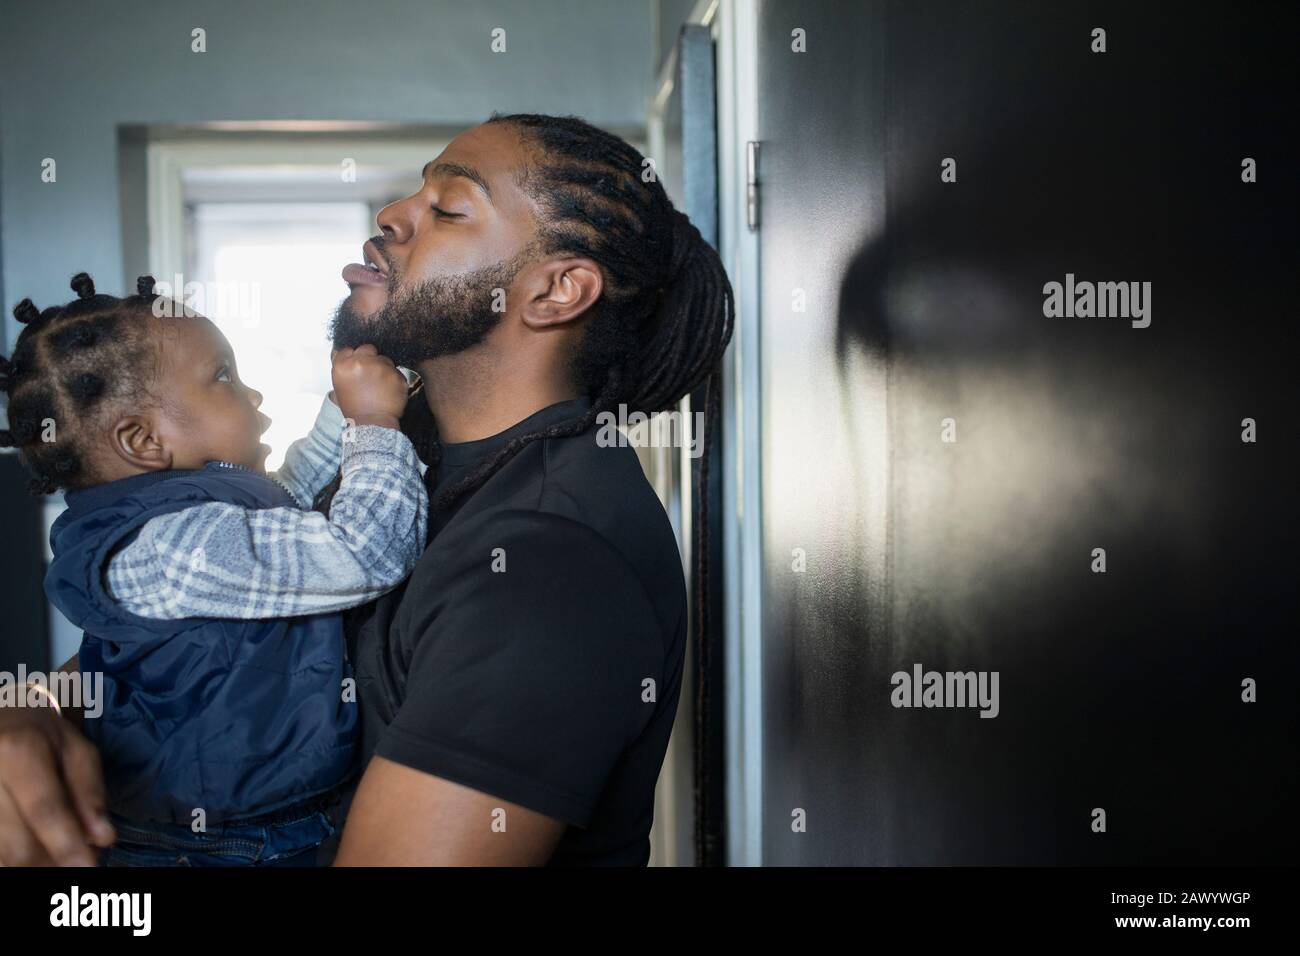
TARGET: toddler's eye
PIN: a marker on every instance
(224, 374)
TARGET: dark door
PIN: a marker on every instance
(24, 633)
(944, 463)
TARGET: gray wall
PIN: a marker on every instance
(1120, 690)
(72, 74)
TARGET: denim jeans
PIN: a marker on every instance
(290, 837)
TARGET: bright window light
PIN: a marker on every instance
(268, 276)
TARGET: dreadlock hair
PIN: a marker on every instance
(666, 311)
(70, 363)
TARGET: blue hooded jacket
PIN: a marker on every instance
(236, 717)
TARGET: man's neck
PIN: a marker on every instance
(475, 397)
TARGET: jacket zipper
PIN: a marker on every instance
(227, 464)
(146, 838)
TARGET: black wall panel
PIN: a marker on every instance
(24, 628)
(893, 301)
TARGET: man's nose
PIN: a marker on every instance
(397, 220)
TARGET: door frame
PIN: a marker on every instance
(736, 31)
(734, 27)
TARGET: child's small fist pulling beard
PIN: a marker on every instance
(369, 388)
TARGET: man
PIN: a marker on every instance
(518, 691)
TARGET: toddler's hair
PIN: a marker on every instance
(70, 364)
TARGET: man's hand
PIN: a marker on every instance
(369, 388)
(52, 797)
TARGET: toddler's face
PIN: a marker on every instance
(207, 413)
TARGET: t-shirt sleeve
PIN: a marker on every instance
(529, 675)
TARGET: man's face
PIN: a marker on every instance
(439, 275)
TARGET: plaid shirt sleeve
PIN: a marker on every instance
(310, 462)
(223, 561)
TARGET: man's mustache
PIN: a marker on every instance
(380, 243)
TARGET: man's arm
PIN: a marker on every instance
(404, 817)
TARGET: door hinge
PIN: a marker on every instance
(751, 184)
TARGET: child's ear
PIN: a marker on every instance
(137, 442)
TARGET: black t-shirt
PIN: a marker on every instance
(535, 653)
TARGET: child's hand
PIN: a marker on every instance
(369, 388)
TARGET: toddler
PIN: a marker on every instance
(209, 594)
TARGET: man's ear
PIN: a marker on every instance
(559, 291)
(136, 441)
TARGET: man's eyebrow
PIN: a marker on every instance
(432, 168)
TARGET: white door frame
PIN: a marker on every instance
(737, 35)
(169, 161)
(732, 23)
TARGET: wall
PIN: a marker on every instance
(71, 73)
(1118, 690)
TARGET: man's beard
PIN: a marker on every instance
(441, 316)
